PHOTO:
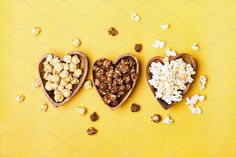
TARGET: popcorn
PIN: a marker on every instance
(67, 58)
(76, 42)
(202, 82)
(170, 53)
(193, 101)
(195, 47)
(36, 83)
(165, 26)
(88, 84)
(20, 98)
(134, 17)
(61, 76)
(81, 110)
(35, 31)
(170, 79)
(158, 44)
(44, 107)
(168, 120)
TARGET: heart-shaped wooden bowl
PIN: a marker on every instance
(186, 57)
(83, 65)
(115, 62)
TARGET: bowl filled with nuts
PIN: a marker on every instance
(115, 80)
(61, 78)
(169, 78)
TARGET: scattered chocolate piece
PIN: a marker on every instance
(92, 131)
(135, 107)
(112, 31)
(114, 81)
(94, 117)
(138, 47)
(156, 118)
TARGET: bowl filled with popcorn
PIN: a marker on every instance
(169, 78)
(61, 78)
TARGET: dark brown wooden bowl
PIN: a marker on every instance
(83, 65)
(187, 58)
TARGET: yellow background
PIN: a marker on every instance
(25, 131)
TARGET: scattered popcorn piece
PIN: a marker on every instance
(44, 107)
(35, 31)
(170, 78)
(168, 120)
(170, 53)
(202, 82)
(195, 47)
(194, 99)
(81, 110)
(88, 84)
(36, 83)
(159, 44)
(134, 16)
(20, 98)
(165, 26)
(195, 110)
(76, 42)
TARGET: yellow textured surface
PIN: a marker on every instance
(25, 131)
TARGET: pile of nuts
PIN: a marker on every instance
(61, 76)
(114, 81)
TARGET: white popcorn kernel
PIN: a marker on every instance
(168, 120)
(55, 78)
(170, 53)
(195, 110)
(201, 98)
(20, 98)
(75, 59)
(195, 47)
(54, 61)
(44, 107)
(60, 88)
(64, 74)
(68, 79)
(54, 86)
(36, 83)
(56, 92)
(58, 98)
(202, 82)
(76, 42)
(47, 68)
(77, 73)
(63, 82)
(74, 80)
(66, 66)
(66, 93)
(58, 67)
(134, 17)
(73, 67)
(67, 58)
(159, 44)
(48, 86)
(81, 110)
(49, 57)
(35, 31)
(69, 86)
(87, 84)
(165, 26)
